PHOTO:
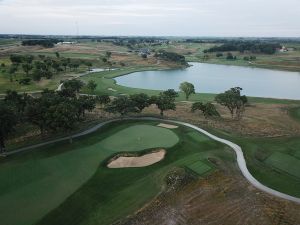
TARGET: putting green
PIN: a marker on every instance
(139, 137)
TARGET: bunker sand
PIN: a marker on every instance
(169, 126)
(139, 161)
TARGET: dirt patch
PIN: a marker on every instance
(169, 126)
(223, 198)
(137, 161)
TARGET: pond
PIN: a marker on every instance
(211, 78)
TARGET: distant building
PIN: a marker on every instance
(144, 51)
(66, 43)
(283, 49)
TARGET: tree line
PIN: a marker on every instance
(56, 111)
(171, 56)
(47, 43)
(242, 46)
(42, 66)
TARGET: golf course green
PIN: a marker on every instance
(65, 183)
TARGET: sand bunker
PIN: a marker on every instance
(169, 126)
(140, 161)
(111, 89)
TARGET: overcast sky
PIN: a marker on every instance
(152, 17)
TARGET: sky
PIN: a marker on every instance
(222, 18)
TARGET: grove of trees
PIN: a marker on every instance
(242, 46)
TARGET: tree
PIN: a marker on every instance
(233, 100)
(122, 105)
(8, 120)
(108, 55)
(103, 99)
(187, 88)
(73, 86)
(89, 65)
(37, 109)
(165, 101)
(62, 117)
(16, 101)
(65, 63)
(141, 101)
(27, 67)
(12, 70)
(57, 54)
(229, 56)
(208, 109)
(92, 85)
(84, 103)
(17, 59)
(171, 93)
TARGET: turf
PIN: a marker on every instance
(70, 184)
(295, 113)
(199, 167)
(285, 163)
(140, 137)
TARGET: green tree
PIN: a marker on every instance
(62, 117)
(89, 65)
(108, 55)
(103, 99)
(141, 101)
(73, 86)
(122, 105)
(208, 109)
(12, 71)
(187, 88)
(27, 67)
(83, 104)
(165, 101)
(8, 121)
(92, 85)
(233, 101)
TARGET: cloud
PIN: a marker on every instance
(153, 17)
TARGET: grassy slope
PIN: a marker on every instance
(35, 182)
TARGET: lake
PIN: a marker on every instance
(211, 78)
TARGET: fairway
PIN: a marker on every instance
(286, 163)
(67, 183)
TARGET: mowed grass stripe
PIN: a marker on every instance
(199, 167)
(284, 162)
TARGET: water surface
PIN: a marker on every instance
(211, 78)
